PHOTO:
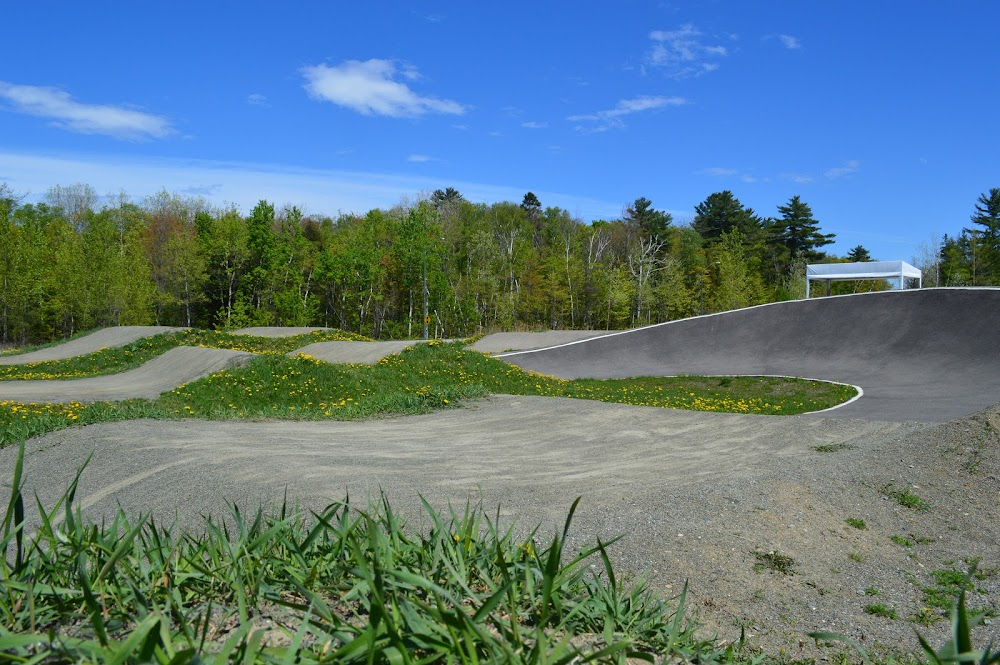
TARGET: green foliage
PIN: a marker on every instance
(881, 610)
(437, 375)
(906, 498)
(67, 266)
(857, 523)
(858, 254)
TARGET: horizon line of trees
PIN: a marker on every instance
(67, 264)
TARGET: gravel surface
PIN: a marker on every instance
(102, 339)
(177, 366)
(696, 494)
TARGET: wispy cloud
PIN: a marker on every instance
(257, 99)
(799, 178)
(683, 53)
(605, 120)
(789, 42)
(66, 113)
(847, 168)
(420, 159)
(721, 172)
(370, 89)
(315, 191)
(534, 125)
(718, 172)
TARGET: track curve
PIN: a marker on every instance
(177, 366)
(931, 355)
(95, 341)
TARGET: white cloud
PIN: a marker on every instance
(790, 42)
(719, 172)
(605, 120)
(368, 88)
(315, 191)
(799, 178)
(683, 53)
(257, 99)
(849, 167)
(419, 158)
(534, 125)
(73, 116)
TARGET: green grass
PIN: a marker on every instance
(906, 498)
(857, 523)
(344, 585)
(438, 375)
(422, 378)
(119, 359)
(880, 610)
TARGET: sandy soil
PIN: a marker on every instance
(695, 494)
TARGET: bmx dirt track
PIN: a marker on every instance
(696, 494)
(930, 355)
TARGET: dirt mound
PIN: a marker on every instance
(277, 331)
(101, 339)
(363, 353)
(177, 366)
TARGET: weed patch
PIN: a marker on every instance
(880, 610)
(832, 447)
(906, 498)
(775, 562)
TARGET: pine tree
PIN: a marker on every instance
(798, 232)
(721, 213)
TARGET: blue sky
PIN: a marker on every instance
(881, 115)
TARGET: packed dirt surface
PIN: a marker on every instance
(101, 339)
(928, 355)
(177, 366)
(521, 341)
(696, 495)
(276, 331)
(361, 353)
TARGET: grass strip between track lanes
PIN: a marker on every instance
(119, 359)
(421, 379)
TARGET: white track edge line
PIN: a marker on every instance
(742, 309)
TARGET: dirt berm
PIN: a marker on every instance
(930, 355)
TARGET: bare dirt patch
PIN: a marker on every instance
(703, 498)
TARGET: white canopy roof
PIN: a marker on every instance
(829, 272)
(863, 270)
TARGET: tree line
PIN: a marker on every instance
(68, 264)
